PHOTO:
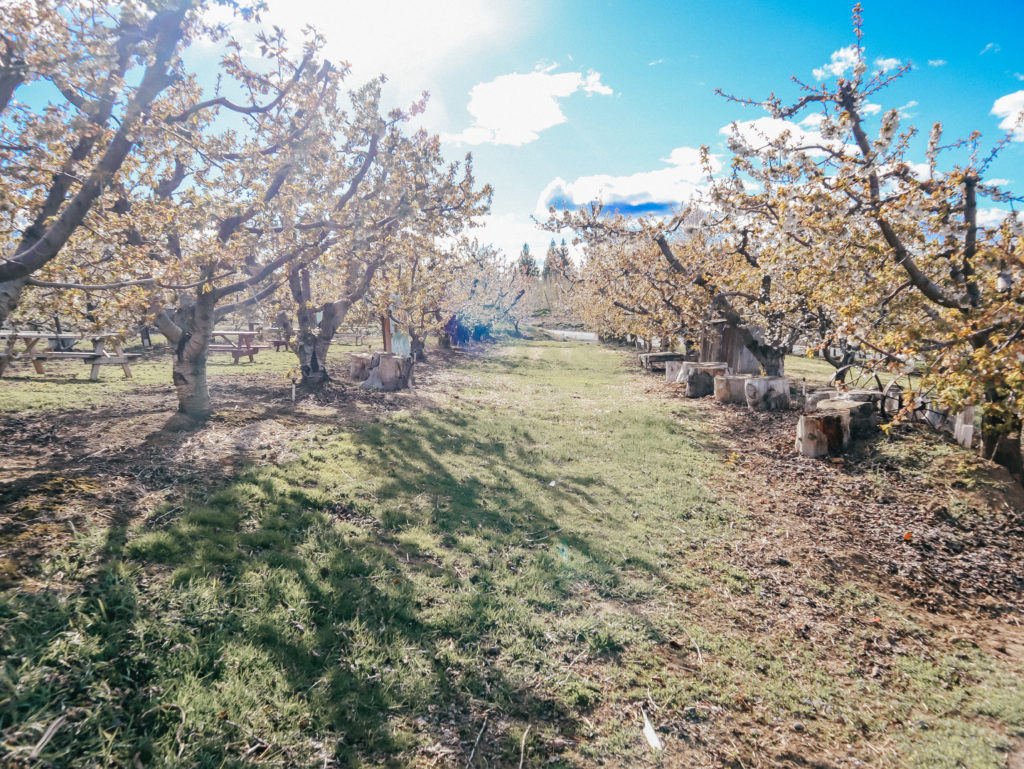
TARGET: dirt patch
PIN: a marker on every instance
(64, 471)
(911, 511)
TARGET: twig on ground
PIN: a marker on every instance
(472, 753)
(568, 670)
(700, 657)
(522, 746)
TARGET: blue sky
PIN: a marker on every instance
(563, 100)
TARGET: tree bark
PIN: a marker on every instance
(1001, 443)
(37, 247)
(314, 338)
(418, 348)
(10, 295)
(190, 334)
(772, 360)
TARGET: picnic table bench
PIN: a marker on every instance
(100, 355)
(243, 347)
(651, 359)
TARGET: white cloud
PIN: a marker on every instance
(937, 62)
(592, 84)
(679, 182)
(887, 64)
(1009, 108)
(1018, 75)
(508, 232)
(905, 110)
(999, 182)
(869, 108)
(412, 42)
(990, 48)
(655, 63)
(991, 218)
(513, 109)
(842, 60)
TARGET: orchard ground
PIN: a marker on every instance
(501, 568)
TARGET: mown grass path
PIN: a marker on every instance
(520, 568)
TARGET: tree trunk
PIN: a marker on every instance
(314, 341)
(310, 348)
(189, 368)
(189, 374)
(418, 348)
(771, 359)
(1000, 442)
(10, 295)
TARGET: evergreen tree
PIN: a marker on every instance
(527, 264)
(550, 262)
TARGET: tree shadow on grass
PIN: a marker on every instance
(285, 616)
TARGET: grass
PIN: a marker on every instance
(545, 549)
(67, 385)
(814, 370)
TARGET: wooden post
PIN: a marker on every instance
(385, 324)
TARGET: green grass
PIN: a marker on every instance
(545, 547)
(66, 384)
(814, 370)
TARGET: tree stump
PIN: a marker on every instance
(389, 372)
(731, 388)
(700, 378)
(861, 396)
(672, 368)
(767, 393)
(963, 427)
(359, 365)
(813, 399)
(860, 417)
(822, 433)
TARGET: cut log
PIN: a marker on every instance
(963, 427)
(672, 369)
(700, 379)
(813, 399)
(822, 433)
(731, 388)
(767, 393)
(389, 372)
(861, 396)
(860, 417)
(359, 365)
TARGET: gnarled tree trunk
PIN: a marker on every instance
(190, 333)
(772, 360)
(1001, 443)
(315, 337)
(10, 295)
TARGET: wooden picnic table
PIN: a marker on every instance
(651, 359)
(106, 351)
(242, 346)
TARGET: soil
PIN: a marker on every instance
(911, 514)
(912, 511)
(64, 472)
